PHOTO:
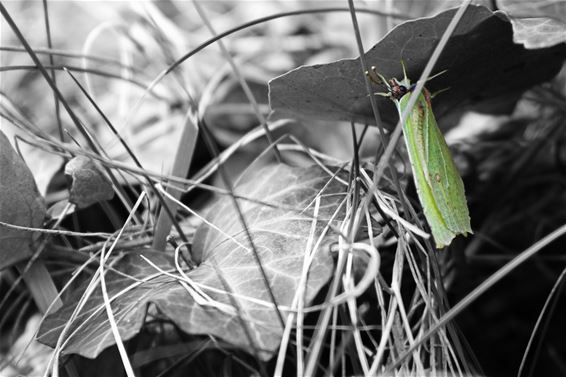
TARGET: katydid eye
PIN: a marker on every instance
(397, 90)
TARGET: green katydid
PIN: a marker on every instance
(439, 185)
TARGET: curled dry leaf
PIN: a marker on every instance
(89, 184)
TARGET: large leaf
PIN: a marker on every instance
(486, 71)
(20, 204)
(536, 24)
(280, 235)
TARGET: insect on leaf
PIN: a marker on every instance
(439, 185)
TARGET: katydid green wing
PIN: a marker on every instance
(445, 180)
(439, 185)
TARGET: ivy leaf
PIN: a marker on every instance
(280, 232)
(486, 71)
(20, 204)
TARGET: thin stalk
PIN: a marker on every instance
(53, 76)
(73, 55)
(480, 290)
(549, 306)
(83, 70)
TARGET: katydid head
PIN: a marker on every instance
(398, 89)
(406, 83)
(394, 89)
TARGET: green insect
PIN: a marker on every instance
(439, 185)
